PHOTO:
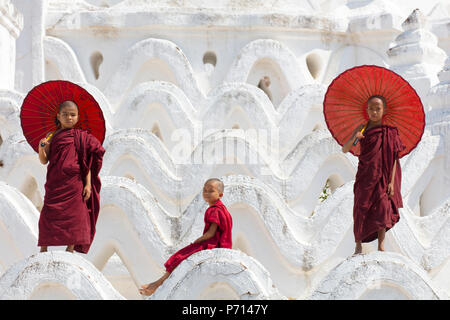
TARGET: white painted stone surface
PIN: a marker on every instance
(11, 23)
(246, 277)
(174, 121)
(45, 274)
(390, 274)
(415, 54)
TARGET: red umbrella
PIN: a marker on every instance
(345, 105)
(40, 106)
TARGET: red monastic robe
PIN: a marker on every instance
(66, 218)
(217, 213)
(373, 209)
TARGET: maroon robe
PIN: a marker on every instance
(217, 213)
(373, 209)
(66, 218)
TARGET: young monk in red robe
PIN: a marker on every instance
(378, 179)
(216, 233)
(72, 189)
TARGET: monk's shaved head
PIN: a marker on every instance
(63, 105)
(66, 103)
(217, 182)
(383, 99)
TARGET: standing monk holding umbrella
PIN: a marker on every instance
(65, 125)
(375, 114)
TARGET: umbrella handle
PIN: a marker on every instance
(356, 140)
(48, 138)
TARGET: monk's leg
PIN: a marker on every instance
(149, 289)
(170, 265)
(381, 235)
(358, 248)
(70, 248)
(44, 249)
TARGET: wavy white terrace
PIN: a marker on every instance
(300, 178)
(375, 275)
(55, 275)
(293, 248)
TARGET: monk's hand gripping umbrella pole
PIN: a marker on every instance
(362, 131)
(48, 138)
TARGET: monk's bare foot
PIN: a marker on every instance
(358, 248)
(70, 248)
(381, 236)
(149, 289)
(44, 249)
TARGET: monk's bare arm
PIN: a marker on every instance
(42, 156)
(43, 151)
(88, 178)
(208, 234)
(87, 187)
(347, 146)
(391, 188)
(393, 171)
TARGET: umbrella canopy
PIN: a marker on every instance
(40, 106)
(345, 105)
